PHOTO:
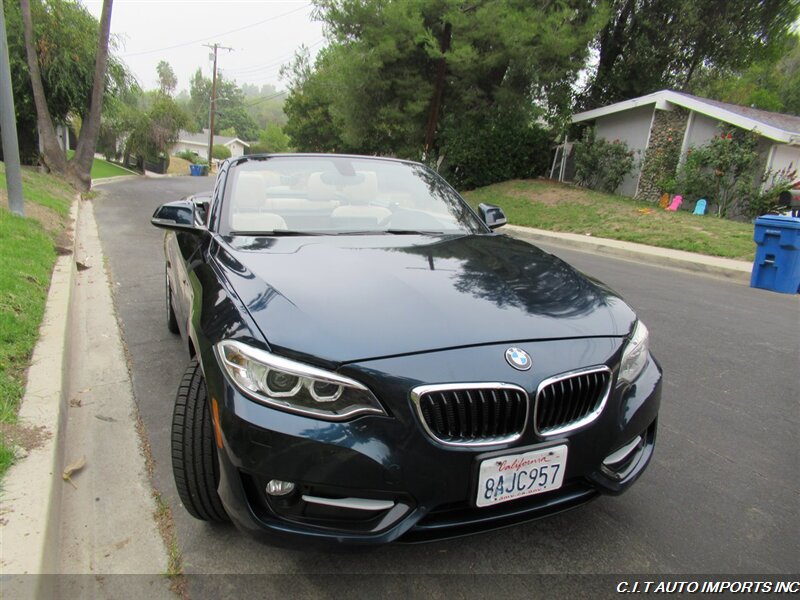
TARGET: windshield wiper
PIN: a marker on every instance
(388, 231)
(278, 232)
(295, 232)
(412, 232)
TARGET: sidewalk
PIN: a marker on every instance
(101, 521)
(79, 388)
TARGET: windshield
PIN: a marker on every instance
(297, 195)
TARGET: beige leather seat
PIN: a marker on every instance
(318, 190)
(249, 205)
(360, 196)
(250, 193)
(271, 178)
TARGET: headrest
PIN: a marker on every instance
(250, 191)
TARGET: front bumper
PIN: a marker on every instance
(416, 488)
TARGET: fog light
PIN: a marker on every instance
(276, 487)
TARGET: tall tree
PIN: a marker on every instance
(395, 70)
(155, 130)
(648, 45)
(79, 167)
(167, 80)
(772, 83)
(231, 106)
(310, 124)
(66, 37)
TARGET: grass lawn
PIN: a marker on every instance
(560, 207)
(27, 254)
(178, 166)
(101, 169)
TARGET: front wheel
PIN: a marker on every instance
(194, 452)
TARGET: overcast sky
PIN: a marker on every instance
(264, 34)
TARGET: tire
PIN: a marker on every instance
(194, 452)
(172, 320)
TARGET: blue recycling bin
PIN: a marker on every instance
(195, 170)
(777, 263)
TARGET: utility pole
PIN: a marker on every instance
(213, 108)
(8, 125)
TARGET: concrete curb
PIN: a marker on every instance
(735, 270)
(32, 494)
(104, 180)
(107, 515)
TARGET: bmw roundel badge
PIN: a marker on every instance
(519, 359)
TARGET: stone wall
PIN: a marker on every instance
(663, 150)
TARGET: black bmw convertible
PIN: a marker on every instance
(370, 361)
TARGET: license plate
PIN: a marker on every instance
(513, 476)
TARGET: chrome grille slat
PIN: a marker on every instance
(484, 414)
(571, 400)
(472, 414)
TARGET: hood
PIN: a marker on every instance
(355, 297)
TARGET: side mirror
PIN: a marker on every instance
(492, 215)
(177, 216)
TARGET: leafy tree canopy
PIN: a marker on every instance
(648, 45)
(310, 123)
(372, 89)
(772, 83)
(154, 130)
(231, 107)
(272, 139)
(66, 42)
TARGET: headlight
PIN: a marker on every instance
(634, 358)
(293, 386)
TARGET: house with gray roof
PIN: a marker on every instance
(198, 143)
(651, 122)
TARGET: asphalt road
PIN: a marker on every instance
(721, 496)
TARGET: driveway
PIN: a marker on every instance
(721, 495)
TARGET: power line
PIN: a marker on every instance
(261, 67)
(219, 34)
(257, 101)
(263, 78)
(231, 76)
(265, 98)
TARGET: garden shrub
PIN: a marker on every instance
(725, 172)
(600, 164)
(777, 182)
(495, 149)
(187, 155)
(220, 152)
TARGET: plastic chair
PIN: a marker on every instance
(675, 204)
(700, 207)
